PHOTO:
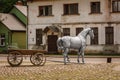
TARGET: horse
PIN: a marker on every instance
(78, 42)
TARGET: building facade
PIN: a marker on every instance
(12, 32)
(13, 28)
(50, 19)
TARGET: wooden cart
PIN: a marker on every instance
(15, 57)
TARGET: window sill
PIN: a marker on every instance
(94, 44)
(115, 12)
(2, 45)
(71, 14)
(45, 15)
(95, 13)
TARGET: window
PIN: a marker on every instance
(38, 36)
(95, 7)
(78, 30)
(95, 40)
(109, 35)
(70, 9)
(2, 39)
(116, 6)
(66, 31)
(1, 8)
(45, 10)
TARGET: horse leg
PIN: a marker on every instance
(68, 58)
(83, 55)
(78, 59)
(65, 55)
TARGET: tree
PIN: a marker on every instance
(7, 5)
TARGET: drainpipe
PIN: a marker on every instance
(27, 27)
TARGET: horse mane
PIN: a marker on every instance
(82, 33)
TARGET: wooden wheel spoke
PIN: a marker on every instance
(37, 58)
(14, 58)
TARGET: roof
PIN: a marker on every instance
(23, 9)
(11, 22)
(52, 28)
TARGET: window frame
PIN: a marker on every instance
(97, 9)
(117, 2)
(2, 40)
(39, 33)
(66, 31)
(109, 35)
(68, 9)
(45, 10)
(96, 36)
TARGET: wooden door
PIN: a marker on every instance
(52, 43)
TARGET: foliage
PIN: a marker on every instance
(7, 5)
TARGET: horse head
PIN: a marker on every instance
(85, 32)
(91, 33)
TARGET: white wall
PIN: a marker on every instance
(84, 11)
(73, 21)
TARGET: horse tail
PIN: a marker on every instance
(60, 43)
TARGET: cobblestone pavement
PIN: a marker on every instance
(54, 69)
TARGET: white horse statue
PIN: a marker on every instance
(77, 42)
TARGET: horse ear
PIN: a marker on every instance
(92, 31)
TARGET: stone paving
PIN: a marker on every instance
(54, 69)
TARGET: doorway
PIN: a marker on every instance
(52, 43)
